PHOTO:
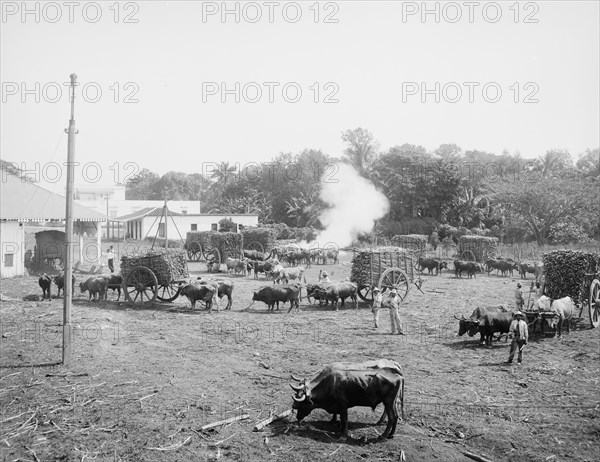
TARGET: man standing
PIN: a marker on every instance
(519, 332)
(519, 297)
(394, 304)
(111, 259)
(377, 301)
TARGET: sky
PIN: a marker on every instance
(158, 81)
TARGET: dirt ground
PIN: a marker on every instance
(143, 381)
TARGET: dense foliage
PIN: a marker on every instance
(447, 191)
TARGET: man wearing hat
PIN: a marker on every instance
(519, 300)
(394, 303)
(519, 332)
(377, 301)
(324, 277)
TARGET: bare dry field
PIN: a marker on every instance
(143, 381)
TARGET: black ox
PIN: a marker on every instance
(340, 386)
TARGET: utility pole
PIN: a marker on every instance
(68, 290)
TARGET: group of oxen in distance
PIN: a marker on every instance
(502, 266)
(97, 285)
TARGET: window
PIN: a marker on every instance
(161, 230)
(184, 212)
(113, 214)
(214, 226)
(9, 259)
(194, 227)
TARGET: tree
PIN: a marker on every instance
(448, 151)
(227, 225)
(362, 148)
(555, 163)
(224, 173)
(588, 164)
(141, 185)
(543, 205)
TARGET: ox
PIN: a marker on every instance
(340, 386)
(342, 290)
(318, 292)
(525, 268)
(204, 291)
(60, 283)
(225, 289)
(563, 309)
(503, 266)
(469, 266)
(431, 264)
(285, 274)
(490, 323)
(471, 325)
(236, 265)
(272, 295)
(96, 286)
(45, 283)
(114, 282)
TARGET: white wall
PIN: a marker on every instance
(184, 223)
(12, 237)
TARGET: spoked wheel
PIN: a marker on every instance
(194, 251)
(467, 255)
(365, 293)
(168, 292)
(594, 303)
(394, 278)
(256, 246)
(140, 286)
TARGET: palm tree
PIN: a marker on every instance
(554, 162)
(223, 172)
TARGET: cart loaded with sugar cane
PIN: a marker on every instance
(477, 248)
(156, 274)
(387, 268)
(213, 246)
(574, 274)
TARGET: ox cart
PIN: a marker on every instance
(583, 289)
(158, 274)
(387, 268)
(50, 248)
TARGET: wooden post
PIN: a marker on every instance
(68, 291)
(80, 230)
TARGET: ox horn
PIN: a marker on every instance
(296, 378)
(297, 387)
(299, 400)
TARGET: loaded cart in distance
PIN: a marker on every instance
(384, 267)
(155, 274)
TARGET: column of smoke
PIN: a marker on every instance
(354, 205)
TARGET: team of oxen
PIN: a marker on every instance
(547, 314)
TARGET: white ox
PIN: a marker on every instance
(563, 309)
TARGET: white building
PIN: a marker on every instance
(110, 200)
(147, 223)
(22, 202)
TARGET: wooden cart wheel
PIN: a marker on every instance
(194, 251)
(256, 246)
(168, 292)
(467, 255)
(365, 293)
(594, 303)
(394, 278)
(140, 286)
